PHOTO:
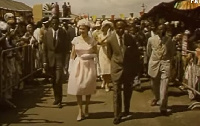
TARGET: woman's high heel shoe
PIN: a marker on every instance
(107, 89)
(80, 118)
(103, 85)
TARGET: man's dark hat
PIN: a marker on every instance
(45, 20)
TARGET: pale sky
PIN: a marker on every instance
(100, 7)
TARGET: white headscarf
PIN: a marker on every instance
(8, 16)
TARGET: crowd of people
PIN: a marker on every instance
(14, 33)
(118, 52)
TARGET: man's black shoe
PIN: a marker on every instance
(60, 105)
(163, 112)
(127, 114)
(56, 102)
(116, 121)
(154, 102)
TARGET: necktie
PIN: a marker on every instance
(54, 38)
(121, 43)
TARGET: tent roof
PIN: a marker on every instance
(167, 11)
(14, 5)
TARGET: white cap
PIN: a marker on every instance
(28, 26)
(187, 32)
(19, 19)
(145, 29)
(7, 16)
(166, 23)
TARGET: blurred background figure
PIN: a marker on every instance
(37, 45)
(104, 61)
(95, 35)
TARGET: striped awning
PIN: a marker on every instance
(186, 5)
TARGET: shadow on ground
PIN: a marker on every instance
(143, 115)
(31, 95)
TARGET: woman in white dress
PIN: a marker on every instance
(82, 68)
(104, 62)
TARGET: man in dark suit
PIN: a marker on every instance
(124, 56)
(55, 48)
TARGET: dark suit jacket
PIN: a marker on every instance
(55, 55)
(72, 33)
(124, 65)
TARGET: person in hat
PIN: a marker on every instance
(28, 35)
(12, 29)
(95, 35)
(9, 18)
(45, 22)
(45, 25)
(22, 26)
(44, 28)
(9, 60)
(7, 64)
(103, 58)
(37, 45)
(82, 68)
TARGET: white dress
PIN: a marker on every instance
(82, 79)
(104, 61)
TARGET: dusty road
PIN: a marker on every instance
(34, 108)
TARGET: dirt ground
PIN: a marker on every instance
(34, 108)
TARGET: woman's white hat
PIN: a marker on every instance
(84, 22)
(106, 22)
